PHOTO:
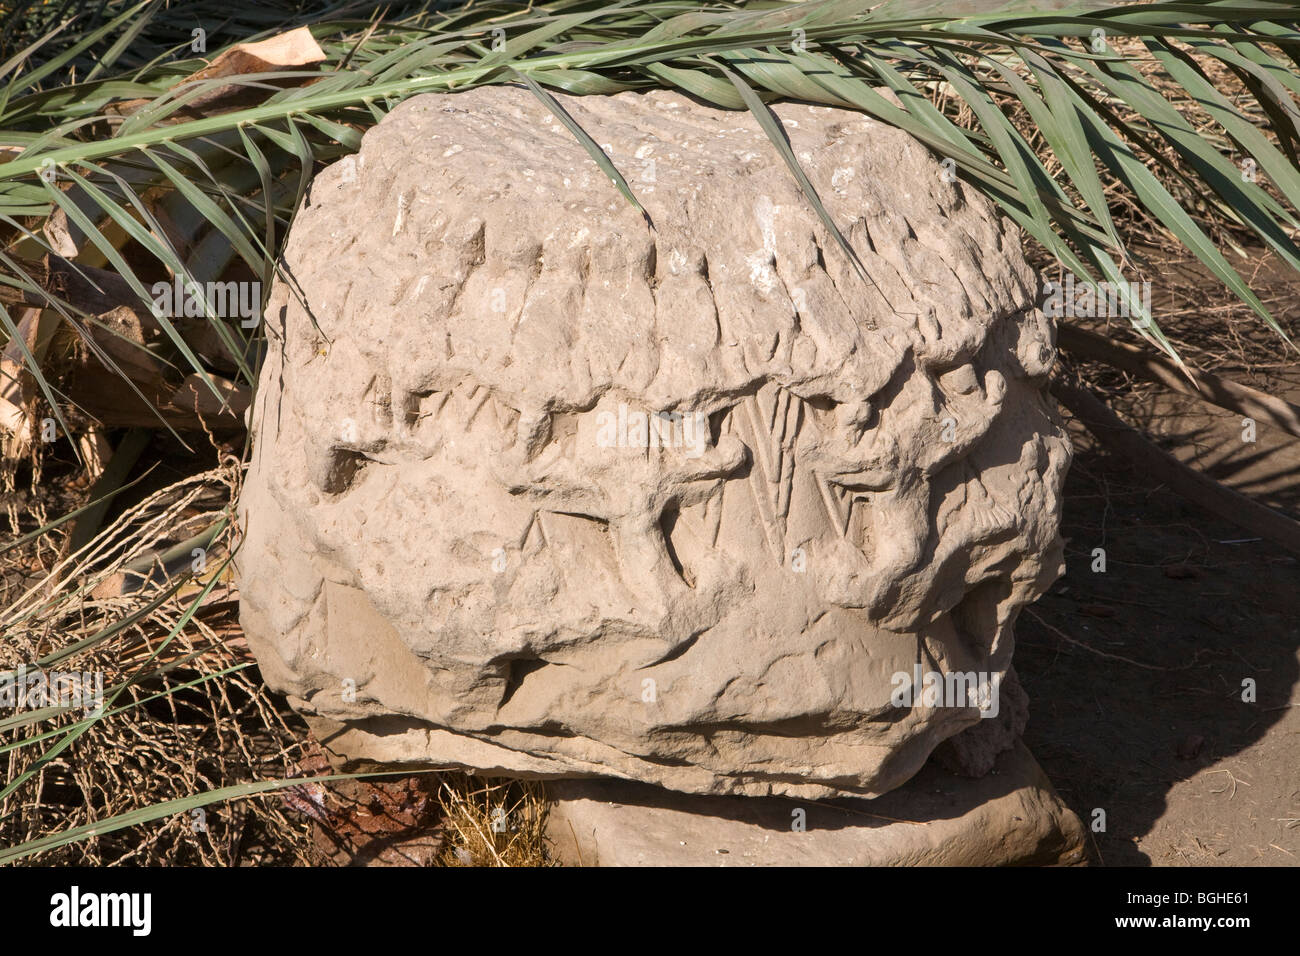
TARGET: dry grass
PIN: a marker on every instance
(196, 716)
(493, 822)
(187, 722)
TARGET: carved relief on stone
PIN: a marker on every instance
(539, 490)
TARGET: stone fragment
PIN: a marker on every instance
(538, 489)
(1011, 817)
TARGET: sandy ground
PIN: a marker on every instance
(1187, 772)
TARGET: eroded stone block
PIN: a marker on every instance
(540, 489)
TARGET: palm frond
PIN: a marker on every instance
(136, 157)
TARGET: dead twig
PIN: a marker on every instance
(1092, 650)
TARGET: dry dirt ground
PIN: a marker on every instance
(1186, 771)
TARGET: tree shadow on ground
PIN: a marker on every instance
(1185, 770)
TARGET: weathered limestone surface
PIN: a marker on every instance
(466, 545)
(1011, 817)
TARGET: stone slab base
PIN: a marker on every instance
(1011, 817)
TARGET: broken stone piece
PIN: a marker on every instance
(540, 490)
(1011, 817)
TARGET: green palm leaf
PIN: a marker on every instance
(1099, 115)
